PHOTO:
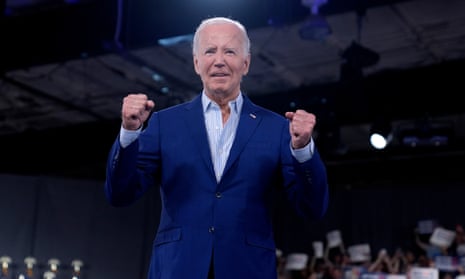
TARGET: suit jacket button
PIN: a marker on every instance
(211, 229)
(218, 195)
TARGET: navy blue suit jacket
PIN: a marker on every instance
(201, 218)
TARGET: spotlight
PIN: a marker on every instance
(380, 134)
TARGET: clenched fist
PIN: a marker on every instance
(301, 127)
(135, 110)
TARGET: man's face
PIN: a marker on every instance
(221, 59)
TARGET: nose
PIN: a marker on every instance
(219, 60)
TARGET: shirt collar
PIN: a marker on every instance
(236, 104)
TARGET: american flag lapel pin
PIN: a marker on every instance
(253, 115)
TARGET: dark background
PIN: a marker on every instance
(49, 217)
(51, 182)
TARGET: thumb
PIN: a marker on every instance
(149, 105)
(289, 115)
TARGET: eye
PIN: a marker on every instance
(209, 51)
(230, 52)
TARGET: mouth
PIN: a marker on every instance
(219, 75)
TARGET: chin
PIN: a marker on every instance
(219, 89)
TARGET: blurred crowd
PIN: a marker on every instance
(439, 256)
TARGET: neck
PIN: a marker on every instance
(223, 102)
(222, 99)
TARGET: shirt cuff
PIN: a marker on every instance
(126, 137)
(305, 153)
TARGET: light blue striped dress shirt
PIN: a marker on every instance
(220, 137)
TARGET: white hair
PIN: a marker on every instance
(220, 20)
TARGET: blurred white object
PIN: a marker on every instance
(296, 261)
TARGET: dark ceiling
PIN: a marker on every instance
(43, 31)
(66, 65)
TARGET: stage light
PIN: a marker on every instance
(315, 26)
(424, 133)
(380, 134)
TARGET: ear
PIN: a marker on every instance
(246, 65)
(196, 62)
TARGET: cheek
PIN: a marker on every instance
(242, 67)
(202, 66)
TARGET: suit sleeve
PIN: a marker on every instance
(312, 190)
(131, 170)
(306, 183)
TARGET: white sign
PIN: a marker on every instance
(318, 249)
(334, 238)
(446, 263)
(359, 253)
(373, 276)
(396, 276)
(296, 261)
(424, 273)
(442, 237)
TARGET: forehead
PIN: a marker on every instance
(220, 33)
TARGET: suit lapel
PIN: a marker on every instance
(196, 123)
(248, 122)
